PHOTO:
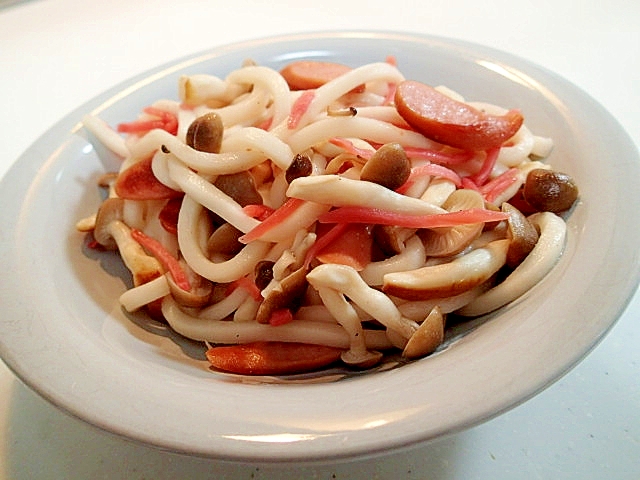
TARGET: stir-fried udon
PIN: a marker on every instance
(296, 218)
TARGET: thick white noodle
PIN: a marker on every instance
(223, 272)
(207, 194)
(138, 297)
(206, 163)
(383, 113)
(341, 191)
(272, 82)
(366, 128)
(316, 313)
(533, 269)
(247, 310)
(302, 218)
(330, 91)
(302, 331)
(255, 139)
(106, 135)
(519, 152)
(245, 109)
(160, 169)
(438, 191)
(225, 307)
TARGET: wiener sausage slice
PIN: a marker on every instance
(450, 122)
(311, 74)
(272, 358)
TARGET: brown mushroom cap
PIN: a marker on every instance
(110, 210)
(224, 240)
(390, 238)
(389, 166)
(301, 166)
(522, 233)
(287, 294)
(427, 337)
(549, 191)
(205, 133)
(241, 187)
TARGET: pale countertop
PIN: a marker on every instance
(57, 54)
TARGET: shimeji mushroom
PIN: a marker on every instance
(532, 269)
(112, 233)
(346, 315)
(428, 337)
(445, 242)
(199, 293)
(346, 280)
(522, 233)
(107, 181)
(461, 274)
(388, 167)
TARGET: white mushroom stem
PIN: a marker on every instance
(302, 331)
(201, 88)
(534, 267)
(86, 224)
(412, 257)
(142, 266)
(139, 296)
(346, 316)
(347, 280)
(341, 191)
(452, 278)
(416, 309)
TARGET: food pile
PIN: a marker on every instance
(292, 219)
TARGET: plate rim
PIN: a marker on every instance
(71, 123)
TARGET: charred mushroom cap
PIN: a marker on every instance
(388, 167)
(444, 242)
(205, 133)
(522, 233)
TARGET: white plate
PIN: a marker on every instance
(63, 333)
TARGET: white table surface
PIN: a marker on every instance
(57, 54)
